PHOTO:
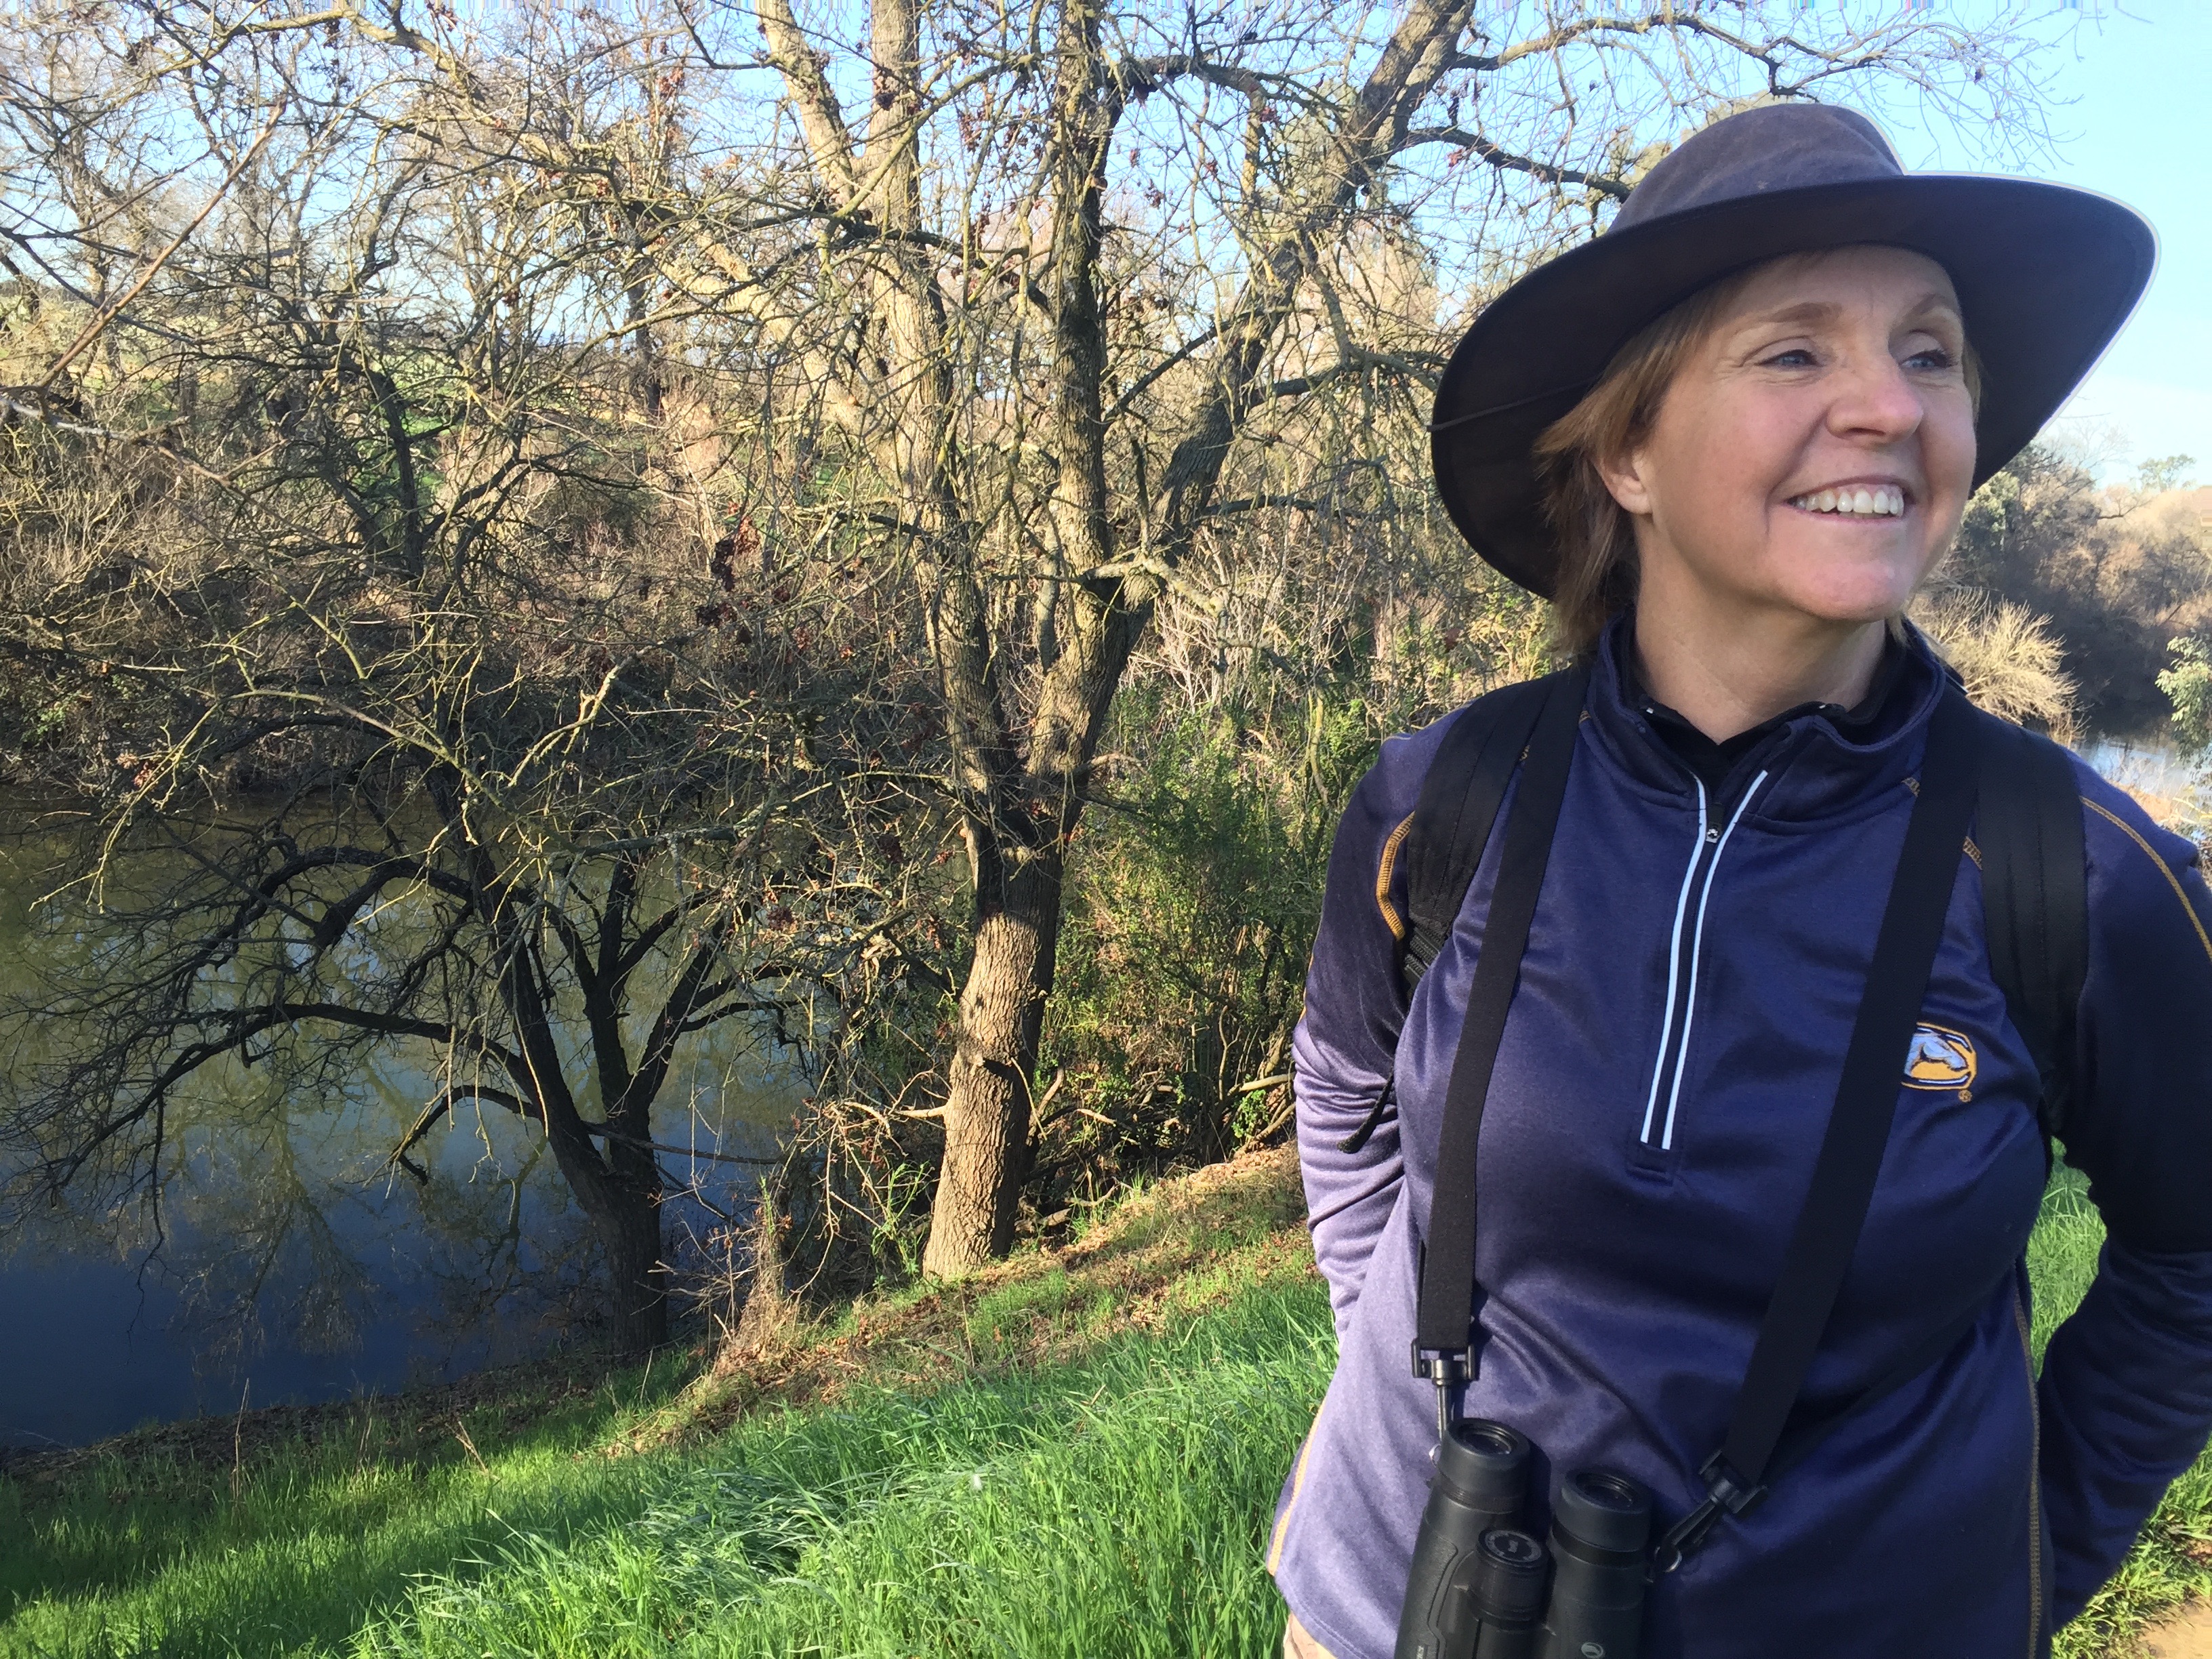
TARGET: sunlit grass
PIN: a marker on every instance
(295, 1545)
(1111, 1507)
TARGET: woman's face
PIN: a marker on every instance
(1813, 454)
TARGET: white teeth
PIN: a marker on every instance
(1880, 500)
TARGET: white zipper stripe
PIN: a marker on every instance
(1674, 964)
(1697, 949)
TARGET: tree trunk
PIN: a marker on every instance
(630, 1231)
(986, 1110)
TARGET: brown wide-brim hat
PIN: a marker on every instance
(2045, 274)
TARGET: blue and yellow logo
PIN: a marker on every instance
(1941, 1058)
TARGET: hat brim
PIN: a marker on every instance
(2046, 276)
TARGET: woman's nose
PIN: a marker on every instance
(1875, 399)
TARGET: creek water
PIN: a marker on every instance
(2165, 780)
(297, 1267)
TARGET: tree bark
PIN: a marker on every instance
(1021, 794)
(630, 1229)
(986, 1116)
(617, 1186)
(1018, 841)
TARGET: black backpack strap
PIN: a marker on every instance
(1828, 1226)
(1460, 793)
(2035, 896)
(1442, 1346)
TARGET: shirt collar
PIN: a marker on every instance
(1830, 755)
(1713, 761)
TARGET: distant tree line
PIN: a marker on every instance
(2120, 573)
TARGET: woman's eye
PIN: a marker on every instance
(1931, 357)
(1790, 357)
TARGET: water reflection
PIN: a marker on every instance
(297, 1265)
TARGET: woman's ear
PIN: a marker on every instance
(1624, 480)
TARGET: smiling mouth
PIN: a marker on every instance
(1854, 500)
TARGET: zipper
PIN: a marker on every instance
(1685, 951)
(2034, 1485)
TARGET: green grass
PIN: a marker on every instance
(292, 1546)
(1077, 1455)
(1108, 1507)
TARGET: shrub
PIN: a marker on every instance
(2187, 683)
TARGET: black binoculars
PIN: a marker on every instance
(1484, 1588)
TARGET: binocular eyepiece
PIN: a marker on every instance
(1482, 1587)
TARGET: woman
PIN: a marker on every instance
(1730, 437)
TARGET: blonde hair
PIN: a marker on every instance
(1595, 535)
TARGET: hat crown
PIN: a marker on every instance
(1775, 147)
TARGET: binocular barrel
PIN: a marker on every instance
(1480, 1482)
(1600, 1529)
(1481, 1588)
(1509, 1593)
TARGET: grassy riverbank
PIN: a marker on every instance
(1074, 1454)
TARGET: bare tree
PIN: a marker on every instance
(1092, 288)
(368, 609)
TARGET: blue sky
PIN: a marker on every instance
(2137, 82)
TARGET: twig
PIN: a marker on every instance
(1274, 1123)
(238, 1448)
(99, 324)
(605, 1134)
(1059, 1077)
(461, 1434)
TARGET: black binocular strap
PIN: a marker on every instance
(1443, 1341)
(1804, 1434)
(1826, 1234)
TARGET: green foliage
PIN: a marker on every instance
(2187, 683)
(2115, 572)
(2166, 472)
(1194, 895)
(2061, 1252)
(285, 1548)
(1118, 1507)
(1014, 1305)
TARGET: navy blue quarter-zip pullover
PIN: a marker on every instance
(1673, 1052)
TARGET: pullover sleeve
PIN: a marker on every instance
(1342, 1052)
(2126, 1390)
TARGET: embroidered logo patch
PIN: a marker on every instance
(1940, 1058)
